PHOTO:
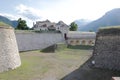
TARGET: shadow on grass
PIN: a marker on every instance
(50, 49)
(54, 48)
(85, 72)
(83, 47)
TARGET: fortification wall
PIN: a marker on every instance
(9, 56)
(107, 49)
(34, 41)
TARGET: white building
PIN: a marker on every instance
(47, 25)
(62, 27)
(43, 25)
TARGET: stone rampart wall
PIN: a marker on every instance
(34, 41)
(107, 49)
(9, 56)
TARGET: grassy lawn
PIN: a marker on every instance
(47, 66)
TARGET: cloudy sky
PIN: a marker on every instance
(55, 10)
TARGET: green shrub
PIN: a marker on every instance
(49, 49)
(4, 24)
(84, 47)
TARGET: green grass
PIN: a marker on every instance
(109, 27)
(37, 65)
(82, 47)
(24, 72)
(61, 47)
(4, 24)
(113, 30)
(72, 54)
(55, 48)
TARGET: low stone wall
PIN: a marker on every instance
(83, 41)
(107, 49)
(81, 38)
(33, 41)
(9, 56)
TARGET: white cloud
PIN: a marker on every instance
(9, 16)
(26, 13)
(33, 14)
(53, 13)
(70, 10)
(29, 12)
(65, 10)
(16, 17)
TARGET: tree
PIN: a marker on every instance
(90, 30)
(73, 26)
(22, 24)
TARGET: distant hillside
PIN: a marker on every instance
(8, 21)
(81, 23)
(111, 18)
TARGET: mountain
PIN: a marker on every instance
(14, 23)
(111, 18)
(8, 21)
(81, 22)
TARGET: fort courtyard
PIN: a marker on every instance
(37, 65)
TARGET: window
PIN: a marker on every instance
(77, 41)
(71, 42)
(90, 42)
(44, 25)
(83, 42)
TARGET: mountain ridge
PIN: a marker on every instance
(12, 23)
(111, 18)
(81, 22)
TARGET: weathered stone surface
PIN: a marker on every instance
(9, 56)
(107, 49)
